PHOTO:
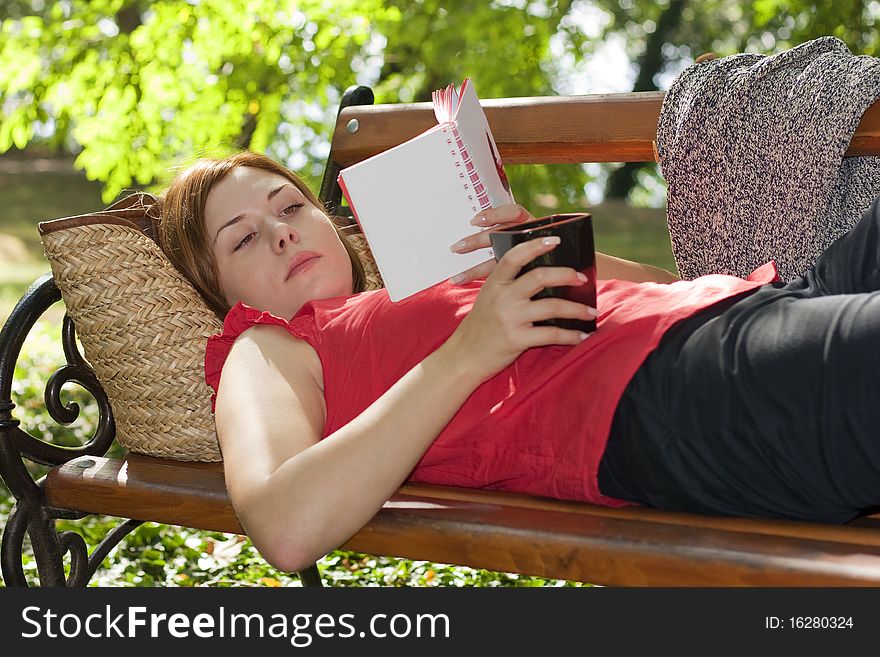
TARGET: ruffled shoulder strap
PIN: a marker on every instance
(238, 320)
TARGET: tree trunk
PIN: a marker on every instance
(128, 18)
(622, 180)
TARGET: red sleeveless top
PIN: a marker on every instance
(539, 426)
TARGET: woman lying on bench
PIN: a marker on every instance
(719, 395)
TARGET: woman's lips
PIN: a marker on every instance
(303, 265)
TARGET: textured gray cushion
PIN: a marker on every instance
(751, 147)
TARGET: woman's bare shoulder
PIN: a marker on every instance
(269, 406)
(294, 355)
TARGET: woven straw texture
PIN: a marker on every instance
(143, 329)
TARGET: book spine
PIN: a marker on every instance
(471, 180)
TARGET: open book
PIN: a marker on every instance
(415, 200)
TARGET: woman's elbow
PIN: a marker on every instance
(284, 550)
(281, 530)
(281, 542)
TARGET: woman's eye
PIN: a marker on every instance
(245, 240)
(290, 209)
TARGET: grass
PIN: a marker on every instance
(34, 190)
(157, 555)
(637, 234)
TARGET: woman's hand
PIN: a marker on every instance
(503, 215)
(512, 214)
(499, 326)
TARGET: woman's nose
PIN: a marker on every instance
(283, 236)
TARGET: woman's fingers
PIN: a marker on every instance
(523, 253)
(503, 215)
(513, 260)
(538, 278)
(540, 336)
(556, 308)
(511, 213)
(479, 271)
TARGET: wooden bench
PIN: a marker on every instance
(498, 531)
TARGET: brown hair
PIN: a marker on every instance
(182, 234)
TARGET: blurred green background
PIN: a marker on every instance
(100, 97)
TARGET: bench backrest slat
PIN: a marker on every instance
(590, 128)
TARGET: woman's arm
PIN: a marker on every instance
(625, 270)
(508, 215)
(297, 496)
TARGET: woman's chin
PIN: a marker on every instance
(328, 289)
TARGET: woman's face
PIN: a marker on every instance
(275, 250)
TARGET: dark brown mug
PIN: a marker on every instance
(576, 250)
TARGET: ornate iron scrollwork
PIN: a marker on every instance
(32, 515)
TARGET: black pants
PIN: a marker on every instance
(765, 405)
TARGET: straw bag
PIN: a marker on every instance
(142, 325)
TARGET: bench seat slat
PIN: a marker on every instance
(507, 532)
(589, 128)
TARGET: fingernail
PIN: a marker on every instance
(458, 246)
(553, 239)
(582, 277)
(591, 311)
(458, 278)
(478, 221)
(584, 336)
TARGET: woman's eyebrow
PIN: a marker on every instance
(272, 194)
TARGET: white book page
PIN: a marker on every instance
(411, 207)
(471, 122)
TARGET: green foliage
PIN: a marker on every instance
(727, 27)
(138, 85)
(161, 555)
(135, 86)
